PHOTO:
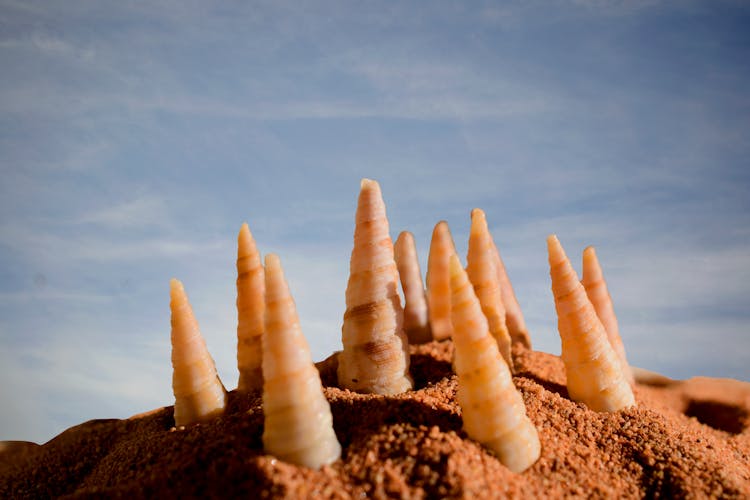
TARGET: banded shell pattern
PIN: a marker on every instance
(597, 292)
(438, 281)
(416, 319)
(250, 309)
(593, 370)
(298, 425)
(375, 358)
(493, 410)
(199, 394)
(480, 267)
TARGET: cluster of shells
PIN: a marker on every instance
(474, 306)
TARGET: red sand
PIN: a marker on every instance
(685, 439)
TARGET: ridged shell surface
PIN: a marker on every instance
(481, 268)
(513, 315)
(375, 357)
(416, 319)
(597, 292)
(593, 370)
(198, 392)
(438, 281)
(250, 310)
(493, 410)
(298, 426)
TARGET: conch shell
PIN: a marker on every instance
(480, 266)
(594, 374)
(250, 309)
(416, 320)
(199, 394)
(513, 315)
(597, 292)
(438, 281)
(298, 426)
(375, 358)
(492, 408)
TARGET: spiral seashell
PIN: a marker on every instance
(375, 358)
(513, 314)
(250, 308)
(438, 281)
(493, 410)
(416, 320)
(596, 290)
(480, 266)
(199, 394)
(298, 426)
(594, 374)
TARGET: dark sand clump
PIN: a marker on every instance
(684, 439)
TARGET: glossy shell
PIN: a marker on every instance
(493, 410)
(298, 427)
(375, 357)
(250, 310)
(593, 370)
(481, 268)
(438, 281)
(198, 392)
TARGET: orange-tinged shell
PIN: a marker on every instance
(593, 370)
(513, 314)
(298, 426)
(493, 410)
(438, 281)
(199, 394)
(480, 266)
(597, 292)
(250, 309)
(375, 358)
(416, 320)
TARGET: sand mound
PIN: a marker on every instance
(688, 438)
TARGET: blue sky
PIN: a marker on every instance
(136, 138)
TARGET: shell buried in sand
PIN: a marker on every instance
(383, 418)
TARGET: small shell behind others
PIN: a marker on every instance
(438, 281)
(416, 320)
(298, 426)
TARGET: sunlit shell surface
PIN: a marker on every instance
(438, 281)
(250, 309)
(513, 315)
(593, 370)
(493, 410)
(416, 320)
(597, 292)
(480, 266)
(298, 426)
(375, 357)
(198, 392)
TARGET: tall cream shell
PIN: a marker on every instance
(594, 374)
(481, 268)
(416, 319)
(298, 426)
(375, 358)
(250, 309)
(513, 314)
(199, 394)
(438, 281)
(493, 410)
(597, 292)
